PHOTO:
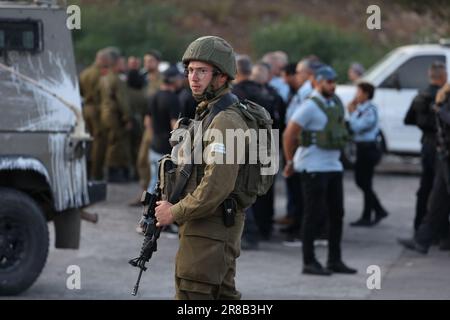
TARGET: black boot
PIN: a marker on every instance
(379, 215)
(340, 267)
(125, 174)
(380, 212)
(361, 222)
(364, 221)
(113, 174)
(117, 175)
(412, 244)
(315, 268)
(444, 244)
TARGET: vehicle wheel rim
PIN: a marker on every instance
(12, 243)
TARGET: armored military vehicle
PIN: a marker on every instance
(42, 141)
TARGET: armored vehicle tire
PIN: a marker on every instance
(23, 241)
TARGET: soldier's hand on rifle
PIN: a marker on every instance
(442, 93)
(163, 214)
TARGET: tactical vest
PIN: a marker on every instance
(335, 134)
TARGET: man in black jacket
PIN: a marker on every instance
(244, 88)
(251, 87)
(420, 114)
(439, 199)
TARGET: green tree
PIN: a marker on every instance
(134, 27)
(301, 36)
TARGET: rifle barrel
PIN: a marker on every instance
(136, 286)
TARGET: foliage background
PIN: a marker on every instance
(333, 30)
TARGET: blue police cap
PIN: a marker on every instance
(325, 72)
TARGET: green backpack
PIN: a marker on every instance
(258, 177)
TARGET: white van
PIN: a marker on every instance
(397, 78)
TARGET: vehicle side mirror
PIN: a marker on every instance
(392, 82)
(395, 81)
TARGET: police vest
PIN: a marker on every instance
(335, 134)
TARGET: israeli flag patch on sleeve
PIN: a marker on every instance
(217, 147)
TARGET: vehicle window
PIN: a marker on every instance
(412, 74)
(20, 35)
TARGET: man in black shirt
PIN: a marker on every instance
(439, 200)
(288, 73)
(246, 89)
(420, 114)
(163, 111)
(257, 89)
(187, 101)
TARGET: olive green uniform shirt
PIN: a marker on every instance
(218, 180)
(90, 85)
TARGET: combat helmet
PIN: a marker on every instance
(213, 50)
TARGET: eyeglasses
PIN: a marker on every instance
(201, 72)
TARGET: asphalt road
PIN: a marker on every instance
(272, 272)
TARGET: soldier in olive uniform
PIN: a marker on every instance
(116, 121)
(138, 106)
(153, 82)
(152, 76)
(206, 259)
(90, 90)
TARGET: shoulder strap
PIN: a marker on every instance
(319, 103)
(223, 103)
(309, 135)
(337, 101)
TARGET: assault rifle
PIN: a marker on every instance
(151, 233)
